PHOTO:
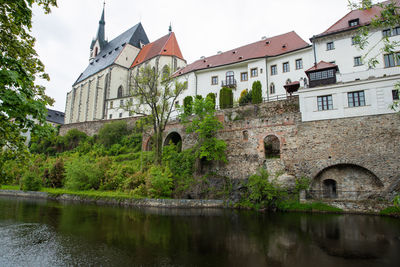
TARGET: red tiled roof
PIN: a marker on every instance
(365, 17)
(322, 65)
(273, 46)
(165, 46)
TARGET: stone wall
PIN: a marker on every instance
(360, 154)
(93, 127)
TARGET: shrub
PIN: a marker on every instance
(159, 182)
(245, 97)
(81, 173)
(225, 98)
(71, 140)
(187, 105)
(57, 174)
(112, 133)
(256, 93)
(211, 97)
(199, 97)
(30, 182)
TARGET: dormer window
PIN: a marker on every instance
(354, 22)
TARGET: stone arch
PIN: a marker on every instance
(245, 135)
(148, 144)
(272, 146)
(175, 138)
(351, 181)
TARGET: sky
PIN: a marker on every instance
(202, 28)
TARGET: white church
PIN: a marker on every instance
(330, 75)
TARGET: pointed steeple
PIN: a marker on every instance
(100, 31)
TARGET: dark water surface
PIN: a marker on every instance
(45, 233)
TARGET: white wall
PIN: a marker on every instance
(378, 98)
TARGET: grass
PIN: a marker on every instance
(89, 194)
(391, 210)
(314, 206)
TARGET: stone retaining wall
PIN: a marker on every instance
(160, 203)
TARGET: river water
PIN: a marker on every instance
(46, 233)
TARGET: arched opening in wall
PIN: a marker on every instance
(165, 72)
(174, 138)
(272, 89)
(245, 135)
(149, 144)
(329, 188)
(346, 181)
(120, 90)
(272, 147)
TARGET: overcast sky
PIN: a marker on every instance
(202, 28)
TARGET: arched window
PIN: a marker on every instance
(120, 89)
(245, 135)
(272, 89)
(165, 72)
(288, 81)
(230, 77)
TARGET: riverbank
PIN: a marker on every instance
(124, 199)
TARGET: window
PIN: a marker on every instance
(119, 94)
(111, 104)
(274, 70)
(254, 72)
(214, 80)
(230, 78)
(121, 103)
(356, 99)
(110, 116)
(299, 64)
(395, 94)
(357, 61)
(272, 89)
(355, 40)
(396, 31)
(285, 67)
(354, 22)
(243, 76)
(389, 60)
(330, 46)
(120, 115)
(320, 75)
(325, 102)
(387, 33)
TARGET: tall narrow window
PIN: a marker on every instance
(274, 70)
(299, 64)
(119, 94)
(395, 94)
(230, 78)
(325, 102)
(272, 89)
(285, 67)
(356, 99)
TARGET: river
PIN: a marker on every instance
(47, 233)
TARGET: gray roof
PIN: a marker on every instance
(112, 49)
(55, 116)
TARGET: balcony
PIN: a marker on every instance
(230, 83)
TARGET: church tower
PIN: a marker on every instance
(99, 42)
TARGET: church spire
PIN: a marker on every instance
(100, 32)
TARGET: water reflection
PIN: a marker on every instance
(40, 233)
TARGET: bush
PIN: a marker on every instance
(57, 174)
(199, 97)
(84, 174)
(211, 97)
(225, 98)
(112, 133)
(71, 140)
(30, 182)
(187, 105)
(245, 97)
(159, 182)
(256, 93)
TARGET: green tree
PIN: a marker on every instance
(155, 94)
(225, 98)
(187, 105)
(206, 125)
(112, 133)
(22, 101)
(256, 93)
(212, 97)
